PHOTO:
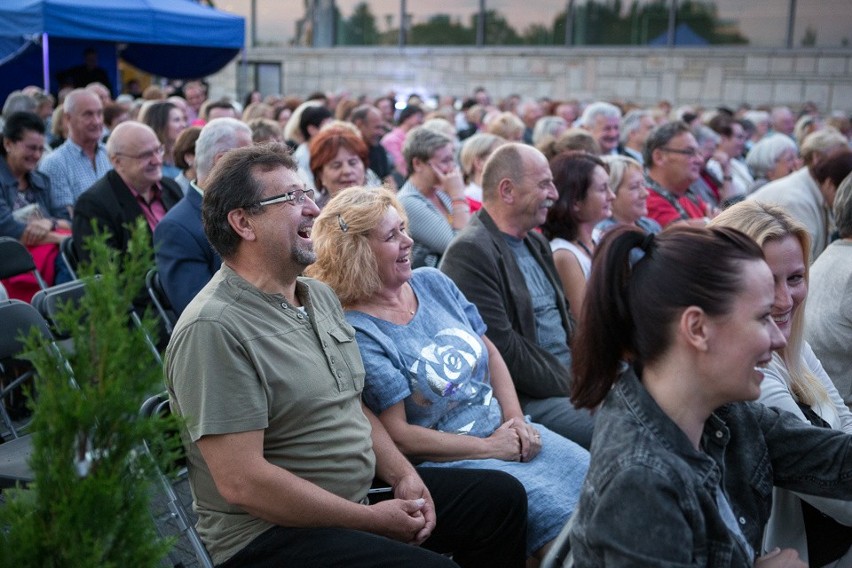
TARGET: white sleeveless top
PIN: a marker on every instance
(584, 260)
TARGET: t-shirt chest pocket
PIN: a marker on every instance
(344, 359)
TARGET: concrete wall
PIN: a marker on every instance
(643, 75)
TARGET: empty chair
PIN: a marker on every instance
(17, 318)
(158, 405)
(69, 255)
(15, 261)
(160, 300)
(14, 462)
(49, 301)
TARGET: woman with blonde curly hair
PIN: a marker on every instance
(796, 381)
(433, 378)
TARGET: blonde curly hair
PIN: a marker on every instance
(340, 234)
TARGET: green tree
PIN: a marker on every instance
(608, 23)
(703, 18)
(360, 28)
(498, 31)
(440, 29)
(594, 24)
(88, 505)
(538, 34)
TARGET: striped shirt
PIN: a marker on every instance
(71, 173)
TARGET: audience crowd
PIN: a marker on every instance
(514, 313)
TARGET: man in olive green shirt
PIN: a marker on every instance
(266, 373)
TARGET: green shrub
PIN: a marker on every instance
(88, 505)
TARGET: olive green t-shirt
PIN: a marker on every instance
(241, 360)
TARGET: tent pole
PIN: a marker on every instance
(45, 62)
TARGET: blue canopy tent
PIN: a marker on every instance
(178, 39)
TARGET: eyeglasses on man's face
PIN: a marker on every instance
(296, 197)
(159, 151)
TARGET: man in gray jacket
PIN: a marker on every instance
(506, 268)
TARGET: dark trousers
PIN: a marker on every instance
(482, 518)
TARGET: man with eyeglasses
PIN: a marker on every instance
(265, 371)
(674, 161)
(134, 188)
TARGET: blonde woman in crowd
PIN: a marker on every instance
(436, 382)
(795, 381)
(673, 343)
(474, 152)
(630, 207)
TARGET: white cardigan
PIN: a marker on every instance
(786, 528)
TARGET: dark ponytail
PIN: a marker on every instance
(639, 285)
(605, 331)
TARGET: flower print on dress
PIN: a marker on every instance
(446, 364)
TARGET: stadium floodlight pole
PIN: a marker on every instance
(791, 24)
(480, 25)
(569, 23)
(253, 23)
(402, 22)
(670, 33)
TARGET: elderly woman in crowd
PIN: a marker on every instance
(27, 211)
(167, 121)
(338, 160)
(828, 327)
(434, 379)
(474, 152)
(630, 206)
(433, 195)
(772, 157)
(676, 334)
(795, 381)
(585, 199)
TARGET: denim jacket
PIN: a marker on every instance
(649, 496)
(40, 183)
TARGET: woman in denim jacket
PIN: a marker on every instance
(682, 470)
